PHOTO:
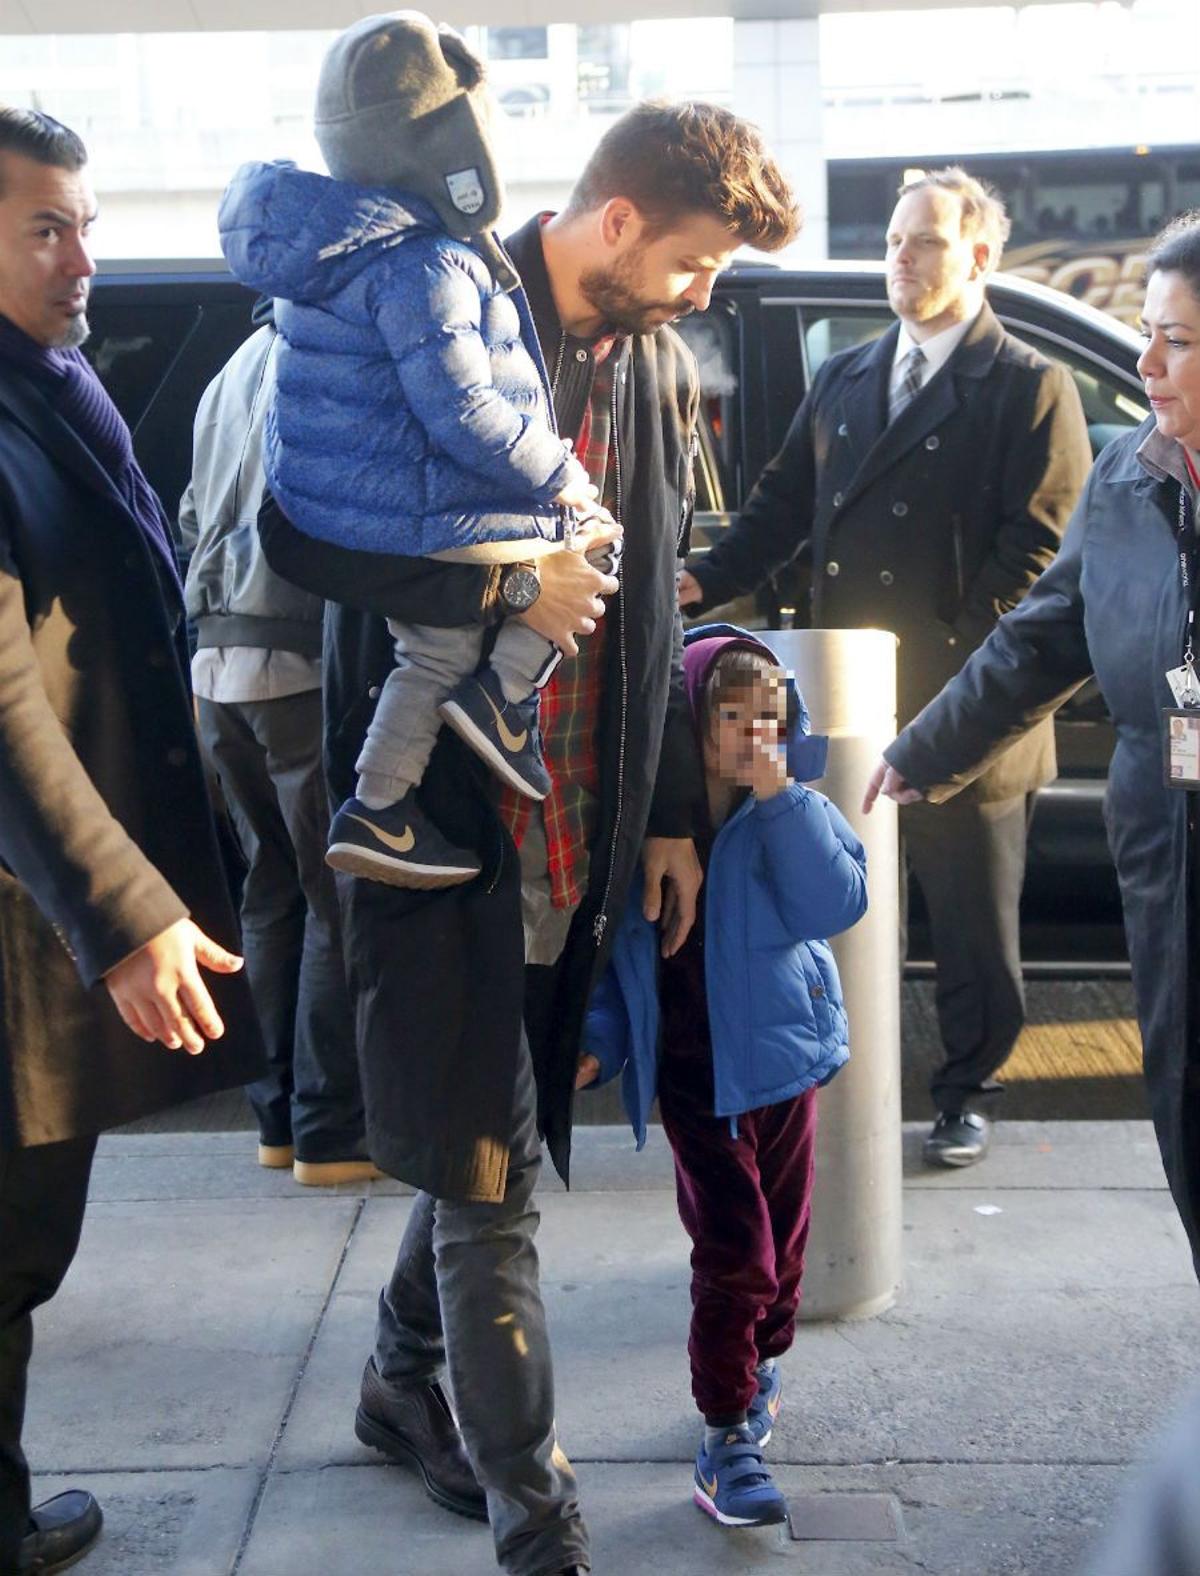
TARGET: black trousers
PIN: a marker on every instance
(970, 861)
(267, 757)
(43, 1191)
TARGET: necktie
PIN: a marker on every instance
(910, 384)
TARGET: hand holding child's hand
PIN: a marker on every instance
(586, 1069)
(768, 770)
(578, 493)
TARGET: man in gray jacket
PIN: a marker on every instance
(257, 679)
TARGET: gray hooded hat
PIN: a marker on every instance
(400, 103)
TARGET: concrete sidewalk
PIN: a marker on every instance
(199, 1370)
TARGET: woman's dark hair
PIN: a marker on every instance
(33, 135)
(1176, 250)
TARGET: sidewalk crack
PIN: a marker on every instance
(289, 1405)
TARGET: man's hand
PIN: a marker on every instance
(573, 592)
(673, 877)
(688, 589)
(586, 1070)
(159, 993)
(887, 780)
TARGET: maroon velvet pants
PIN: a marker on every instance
(745, 1202)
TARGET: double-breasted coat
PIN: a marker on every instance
(932, 525)
(1112, 605)
(106, 836)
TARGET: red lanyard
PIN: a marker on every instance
(1191, 465)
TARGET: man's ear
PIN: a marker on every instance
(620, 223)
(983, 258)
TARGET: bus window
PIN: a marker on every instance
(1100, 204)
(1187, 186)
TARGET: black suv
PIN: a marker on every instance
(161, 331)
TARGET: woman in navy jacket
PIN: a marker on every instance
(750, 1022)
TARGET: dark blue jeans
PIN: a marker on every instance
(464, 1296)
(267, 758)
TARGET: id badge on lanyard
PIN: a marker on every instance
(1181, 722)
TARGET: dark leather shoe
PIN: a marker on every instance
(413, 1424)
(958, 1138)
(65, 1528)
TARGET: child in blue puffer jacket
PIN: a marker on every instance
(412, 413)
(735, 1033)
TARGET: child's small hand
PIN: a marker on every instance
(768, 768)
(578, 493)
(586, 1070)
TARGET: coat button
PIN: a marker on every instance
(837, 500)
(886, 577)
(157, 658)
(373, 692)
(133, 561)
(177, 756)
(952, 640)
(899, 510)
(581, 356)
(933, 442)
(832, 567)
(843, 430)
(816, 992)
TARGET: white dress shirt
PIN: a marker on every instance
(937, 350)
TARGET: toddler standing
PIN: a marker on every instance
(749, 1017)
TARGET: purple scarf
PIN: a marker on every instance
(77, 395)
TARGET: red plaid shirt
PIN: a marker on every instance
(571, 698)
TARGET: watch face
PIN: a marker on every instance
(520, 588)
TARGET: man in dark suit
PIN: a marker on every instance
(111, 893)
(927, 478)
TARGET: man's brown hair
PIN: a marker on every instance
(678, 160)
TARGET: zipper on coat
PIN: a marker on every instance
(689, 493)
(600, 924)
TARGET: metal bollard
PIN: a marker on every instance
(854, 1261)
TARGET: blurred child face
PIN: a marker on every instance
(748, 723)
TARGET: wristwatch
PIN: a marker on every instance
(519, 588)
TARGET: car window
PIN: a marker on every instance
(828, 331)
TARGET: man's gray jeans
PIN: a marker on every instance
(464, 1295)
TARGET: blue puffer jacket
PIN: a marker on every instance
(783, 874)
(412, 414)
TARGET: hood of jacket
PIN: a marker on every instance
(293, 233)
(807, 752)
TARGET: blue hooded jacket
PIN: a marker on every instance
(783, 874)
(412, 414)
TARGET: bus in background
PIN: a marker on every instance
(1081, 218)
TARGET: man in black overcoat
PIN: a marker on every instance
(112, 895)
(928, 478)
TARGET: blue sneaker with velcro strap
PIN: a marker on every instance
(764, 1408)
(733, 1483)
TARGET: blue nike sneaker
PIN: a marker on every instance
(504, 733)
(733, 1484)
(399, 846)
(764, 1408)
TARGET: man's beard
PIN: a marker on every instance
(76, 332)
(610, 292)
